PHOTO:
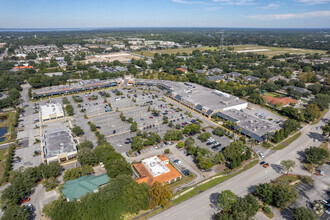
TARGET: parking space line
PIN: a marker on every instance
(104, 113)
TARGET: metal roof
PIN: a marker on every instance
(74, 189)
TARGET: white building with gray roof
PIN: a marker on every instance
(58, 145)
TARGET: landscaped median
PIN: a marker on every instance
(198, 188)
(286, 142)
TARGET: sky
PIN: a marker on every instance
(165, 13)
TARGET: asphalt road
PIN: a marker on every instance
(200, 206)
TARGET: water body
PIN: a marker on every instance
(3, 132)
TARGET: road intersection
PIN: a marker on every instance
(201, 207)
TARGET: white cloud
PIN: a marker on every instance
(313, 2)
(212, 8)
(187, 2)
(235, 2)
(312, 14)
(271, 6)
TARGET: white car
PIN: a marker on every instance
(261, 155)
(328, 211)
(177, 162)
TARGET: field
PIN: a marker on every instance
(268, 51)
(273, 51)
(151, 53)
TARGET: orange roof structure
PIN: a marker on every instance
(163, 158)
(182, 70)
(283, 100)
(23, 67)
(147, 177)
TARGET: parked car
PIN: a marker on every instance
(186, 172)
(328, 211)
(177, 162)
(266, 165)
(261, 155)
(262, 162)
(26, 200)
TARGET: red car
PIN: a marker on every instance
(151, 117)
(26, 200)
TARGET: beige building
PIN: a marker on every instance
(51, 111)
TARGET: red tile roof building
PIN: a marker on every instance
(156, 169)
(23, 67)
(284, 100)
(182, 70)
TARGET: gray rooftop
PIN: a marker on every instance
(206, 98)
(215, 78)
(79, 84)
(58, 142)
(298, 89)
(251, 78)
(251, 123)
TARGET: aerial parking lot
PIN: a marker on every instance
(147, 111)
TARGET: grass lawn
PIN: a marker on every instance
(269, 215)
(3, 155)
(287, 142)
(324, 145)
(273, 51)
(268, 51)
(267, 145)
(185, 179)
(272, 94)
(286, 179)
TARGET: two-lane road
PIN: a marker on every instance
(199, 207)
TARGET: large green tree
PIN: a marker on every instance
(288, 165)
(226, 200)
(16, 213)
(303, 213)
(136, 196)
(159, 195)
(315, 155)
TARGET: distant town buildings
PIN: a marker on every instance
(36, 48)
